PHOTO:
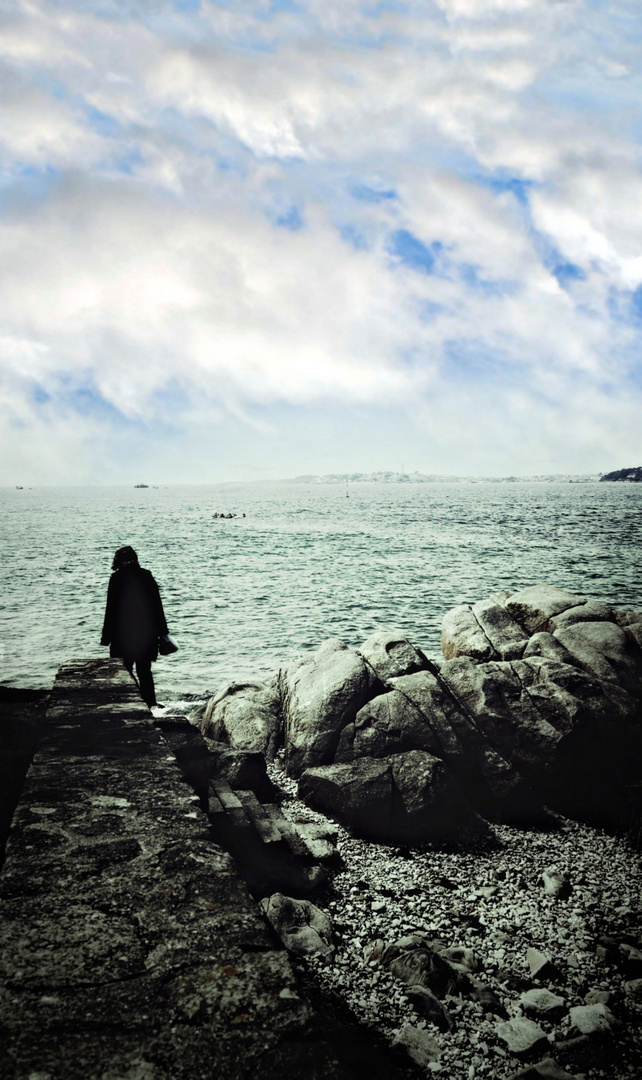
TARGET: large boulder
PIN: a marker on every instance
(534, 606)
(389, 724)
(245, 716)
(391, 655)
(605, 652)
(483, 631)
(574, 738)
(321, 693)
(461, 635)
(404, 798)
(505, 635)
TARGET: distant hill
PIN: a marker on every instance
(423, 478)
(632, 475)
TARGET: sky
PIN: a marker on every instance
(249, 239)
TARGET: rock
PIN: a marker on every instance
(461, 635)
(545, 645)
(578, 1052)
(548, 1069)
(604, 651)
(410, 796)
(488, 999)
(322, 692)
(573, 738)
(242, 769)
(592, 1019)
(505, 635)
(461, 957)
(591, 611)
(630, 960)
(418, 1044)
(556, 883)
(391, 655)
(303, 928)
(523, 1037)
(534, 606)
(633, 989)
(389, 724)
(491, 784)
(540, 965)
(245, 716)
(429, 1006)
(543, 1004)
(598, 997)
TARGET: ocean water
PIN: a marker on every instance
(243, 596)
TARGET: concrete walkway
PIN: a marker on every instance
(130, 948)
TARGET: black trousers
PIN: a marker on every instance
(145, 679)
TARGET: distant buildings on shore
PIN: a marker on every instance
(425, 478)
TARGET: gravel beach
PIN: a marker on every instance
(572, 894)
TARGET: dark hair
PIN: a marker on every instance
(125, 556)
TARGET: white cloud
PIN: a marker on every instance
(146, 259)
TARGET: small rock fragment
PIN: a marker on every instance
(542, 1003)
(540, 965)
(556, 883)
(428, 1005)
(522, 1036)
(418, 1044)
(592, 1019)
(548, 1069)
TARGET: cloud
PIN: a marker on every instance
(209, 215)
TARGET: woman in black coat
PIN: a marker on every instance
(134, 619)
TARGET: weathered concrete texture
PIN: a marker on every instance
(130, 948)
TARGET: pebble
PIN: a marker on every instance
(437, 893)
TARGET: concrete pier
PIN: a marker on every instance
(130, 948)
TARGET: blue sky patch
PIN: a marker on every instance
(412, 252)
(290, 219)
(372, 195)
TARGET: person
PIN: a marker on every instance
(134, 619)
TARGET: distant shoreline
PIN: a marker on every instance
(425, 478)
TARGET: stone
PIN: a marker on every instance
(321, 693)
(245, 716)
(461, 635)
(302, 927)
(591, 611)
(540, 965)
(633, 989)
(545, 645)
(534, 606)
(571, 737)
(523, 1037)
(605, 652)
(592, 1019)
(429, 1006)
(404, 797)
(243, 769)
(461, 957)
(547, 1069)
(491, 784)
(505, 635)
(389, 724)
(598, 997)
(543, 1004)
(390, 655)
(630, 960)
(556, 883)
(418, 1044)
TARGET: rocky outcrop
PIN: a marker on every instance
(245, 716)
(402, 798)
(536, 707)
(321, 693)
(391, 655)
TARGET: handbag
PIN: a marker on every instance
(166, 646)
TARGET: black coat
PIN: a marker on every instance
(134, 618)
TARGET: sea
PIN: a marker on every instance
(299, 563)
